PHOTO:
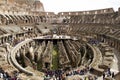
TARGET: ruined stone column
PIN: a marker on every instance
(119, 11)
(31, 52)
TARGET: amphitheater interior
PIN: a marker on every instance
(39, 45)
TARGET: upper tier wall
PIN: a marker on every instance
(101, 11)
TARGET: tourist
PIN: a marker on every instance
(86, 78)
(1, 75)
(95, 77)
(113, 75)
(54, 78)
(103, 75)
(109, 72)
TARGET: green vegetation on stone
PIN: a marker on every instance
(54, 65)
(39, 65)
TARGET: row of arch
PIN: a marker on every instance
(109, 18)
(23, 19)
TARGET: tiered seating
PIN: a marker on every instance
(71, 53)
(107, 54)
(12, 29)
(2, 31)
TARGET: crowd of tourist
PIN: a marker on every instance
(64, 74)
(5, 76)
(108, 74)
(84, 73)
